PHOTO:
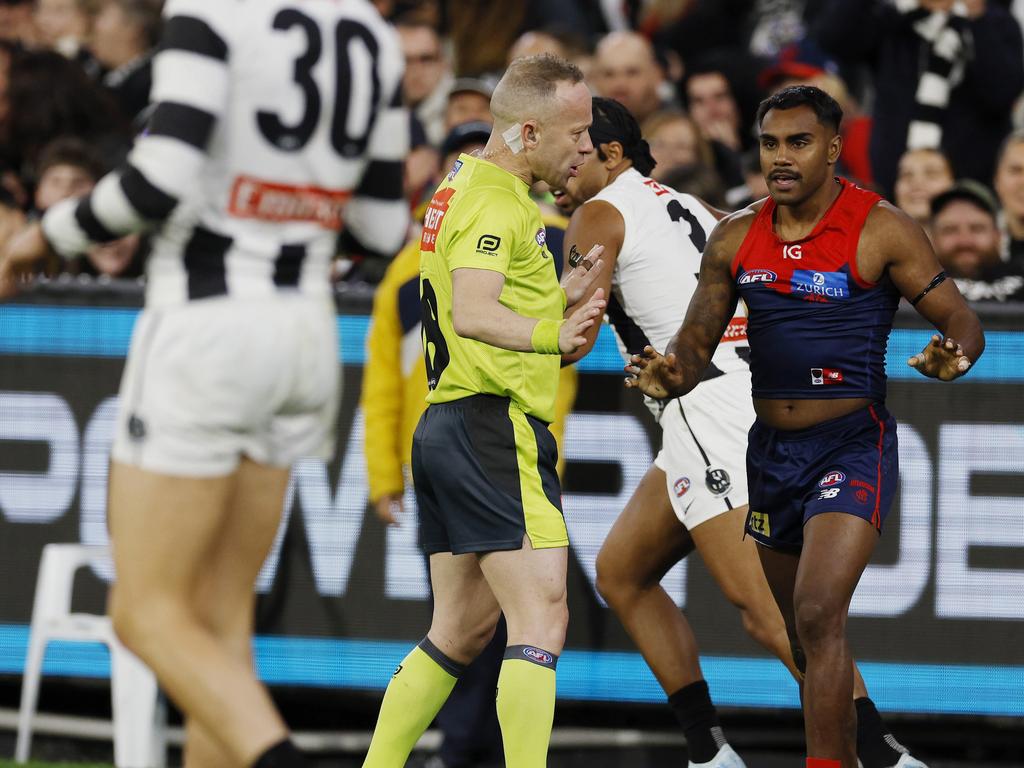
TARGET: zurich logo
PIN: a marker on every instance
(541, 657)
(832, 478)
(757, 276)
(818, 279)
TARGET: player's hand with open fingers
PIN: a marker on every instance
(19, 255)
(570, 335)
(654, 374)
(577, 281)
(942, 358)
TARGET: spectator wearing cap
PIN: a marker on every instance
(427, 78)
(627, 70)
(469, 101)
(967, 241)
(946, 75)
(124, 38)
(1009, 184)
(923, 173)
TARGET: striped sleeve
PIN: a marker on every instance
(377, 216)
(191, 80)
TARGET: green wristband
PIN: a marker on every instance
(545, 337)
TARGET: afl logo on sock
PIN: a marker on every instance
(536, 654)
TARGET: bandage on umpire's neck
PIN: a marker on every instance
(613, 122)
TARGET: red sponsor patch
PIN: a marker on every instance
(433, 217)
(736, 330)
(253, 198)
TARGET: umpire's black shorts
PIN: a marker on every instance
(485, 476)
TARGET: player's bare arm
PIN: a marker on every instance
(893, 241)
(593, 223)
(477, 313)
(714, 303)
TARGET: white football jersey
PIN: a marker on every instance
(276, 125)
(656, 270)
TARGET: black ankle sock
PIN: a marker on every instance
(695, 712)
(876, 747)
(281, 755)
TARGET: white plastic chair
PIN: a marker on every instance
(139, 713)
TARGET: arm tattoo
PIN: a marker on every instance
(712, 306)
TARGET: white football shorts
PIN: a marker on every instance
(214, 380)
(704, 448)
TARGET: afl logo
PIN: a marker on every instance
(541, 237)
(682, 485)
(757, 276)
(832, 478)
(541, 657)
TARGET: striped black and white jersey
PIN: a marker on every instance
(656, 269)
(276, 124)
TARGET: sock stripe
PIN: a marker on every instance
(450, 666)
(533, 654)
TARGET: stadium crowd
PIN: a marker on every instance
(930, 90)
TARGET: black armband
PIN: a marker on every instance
(936, 281)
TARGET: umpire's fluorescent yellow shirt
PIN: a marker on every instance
(482, 217)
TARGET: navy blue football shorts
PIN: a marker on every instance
(847, 465)
(485, 477)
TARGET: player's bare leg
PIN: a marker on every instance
(465, 609)
(464, 617)
(224, 597)
(529, 584)
(164, 530)
(646, 540)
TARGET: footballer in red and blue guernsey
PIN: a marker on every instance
(821, 265)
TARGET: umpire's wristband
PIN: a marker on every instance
(544, 338)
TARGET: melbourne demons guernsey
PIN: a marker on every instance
(817, 329)
(482, 217)
(656, 270)
(275, 123)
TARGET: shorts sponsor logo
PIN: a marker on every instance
(717, 481)
(136, 428)
(829, 493)
(541, 237)
(488, 244)
(759, 523)
(831, 478)
(536, 654)
(827, 285)
(757, 276)
(682, 485)
(822, 376)
(253, 198)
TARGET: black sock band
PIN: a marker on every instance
(453, 668)
(532, 654)
(282, 755)
(876, 747)
(697, 715)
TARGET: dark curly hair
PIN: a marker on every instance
(827, 109)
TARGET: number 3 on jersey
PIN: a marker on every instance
(291, 138)
(435, 348)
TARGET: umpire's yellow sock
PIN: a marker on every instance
(418, 689)
(526, 705)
